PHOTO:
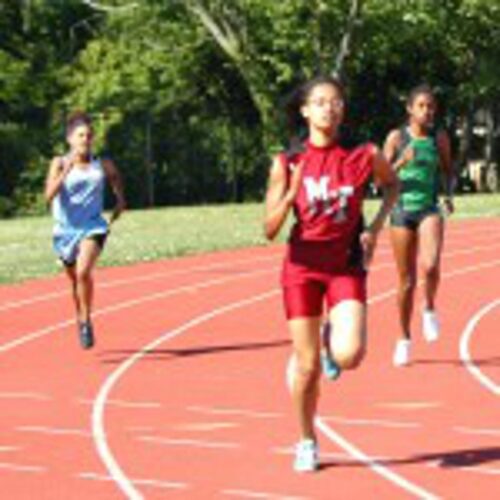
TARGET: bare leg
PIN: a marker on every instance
(405, 245)
(71, 273)
(87, 258)
(348, 342)
(305, 393)
(431, 231)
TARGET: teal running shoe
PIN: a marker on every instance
(331, 370)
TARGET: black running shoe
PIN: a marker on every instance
(86, 335)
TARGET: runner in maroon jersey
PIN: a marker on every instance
(329, 249)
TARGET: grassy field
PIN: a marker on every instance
(146, 235)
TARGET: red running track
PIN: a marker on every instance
(184, 394)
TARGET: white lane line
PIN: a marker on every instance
(4, 449)
(136, 279)
(475, 268)
(385, 472)
(467, 251)
(156, 296)
(22, 468)
(260, 494)
(464, 350)
(357, 453)
(154, 276)
(463, 231)
(140, 482)
(372, 422)
(340, 457)
(100, 402)
(477, 431)
(234, 411)
(8, 346)
(55, 431)
(25, 395)
(125, 404)
(494, 471)
(481, 469)
(196, 443)
(33, 300)
(98, 428)
(410, 405)
(24, 339)
(206, 427)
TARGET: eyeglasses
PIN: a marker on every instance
(334, 103)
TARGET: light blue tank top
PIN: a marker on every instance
(77, 208)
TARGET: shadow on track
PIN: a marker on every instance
(120, 355)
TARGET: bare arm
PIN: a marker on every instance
(58, 170)
(280, 197)
(385, 178)
(444, 148)
(391, 147)
(116, 183)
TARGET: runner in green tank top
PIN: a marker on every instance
(421, 156)
(420, 176)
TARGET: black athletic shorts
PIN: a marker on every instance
(411, 220)
(99, 238)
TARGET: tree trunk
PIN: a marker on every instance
(345, 46)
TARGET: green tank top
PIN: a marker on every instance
(420, 176)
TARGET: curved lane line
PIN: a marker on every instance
(126, 485)
(465, 351)
(217, 265)
(8, 346)
(133, 302)
(150, 277)
(136, 279)
(99, 434)
(370, 462)
(100, 402)
(98, 429)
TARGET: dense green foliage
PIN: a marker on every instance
(186, 94)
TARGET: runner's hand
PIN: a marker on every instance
(67, 163)
(407, 155)
(119, 208)
(295, 182)
(449, 206)
(368, 241)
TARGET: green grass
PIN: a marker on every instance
(147, 235)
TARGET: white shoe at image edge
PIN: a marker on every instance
(306, 456)
(402, 352)
(430, 325)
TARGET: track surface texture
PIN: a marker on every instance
(184, 395)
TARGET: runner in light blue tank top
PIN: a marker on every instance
(77, 209)
(75, 190)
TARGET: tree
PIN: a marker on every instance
(189, 93)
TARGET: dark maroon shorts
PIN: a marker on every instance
(319, 275)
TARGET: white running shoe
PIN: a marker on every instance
(306, 456)
(291, 369)
(401, 355)
(430, 325)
